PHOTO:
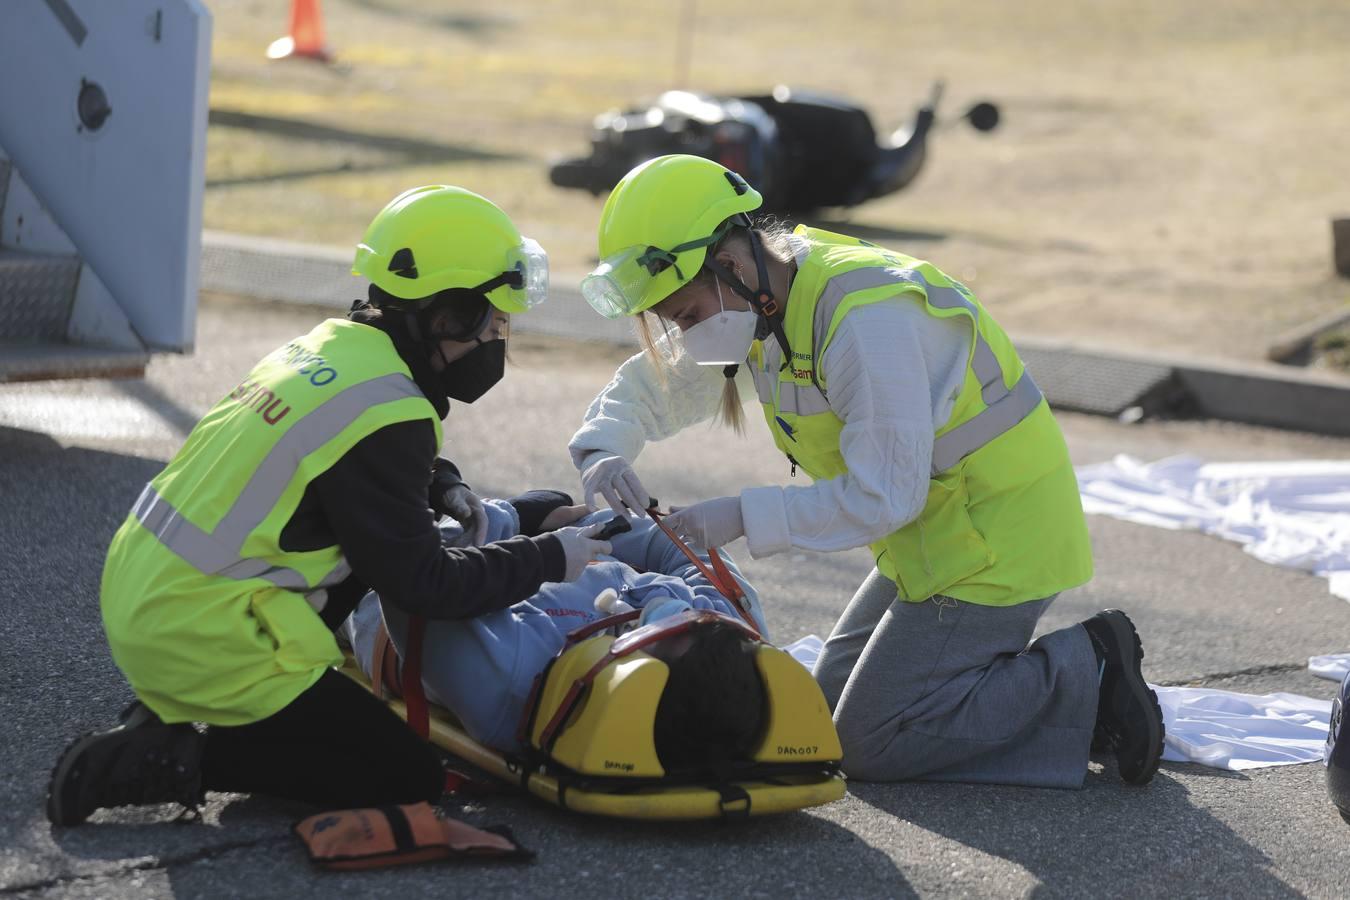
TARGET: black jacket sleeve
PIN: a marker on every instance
(532, 507)
(342, 601)
(375, 501)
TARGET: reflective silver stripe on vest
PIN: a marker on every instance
(218, 553)
(201, 550)
(801, 399)
(983, 361)
(975, 432)
(1004, 407)
(319, 426)
(763, 383)
(338, 574)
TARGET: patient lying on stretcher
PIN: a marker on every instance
(482, 669)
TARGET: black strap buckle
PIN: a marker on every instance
(734, 802)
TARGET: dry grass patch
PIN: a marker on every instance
(1163, 180)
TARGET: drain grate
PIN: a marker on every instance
(1100, 385)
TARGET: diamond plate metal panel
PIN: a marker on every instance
(36, 294)
(136, 182)
(1097, 384)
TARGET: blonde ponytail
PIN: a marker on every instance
(731, 413)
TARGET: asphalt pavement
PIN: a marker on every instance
(74, 455)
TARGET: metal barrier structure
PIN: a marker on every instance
(103, 111)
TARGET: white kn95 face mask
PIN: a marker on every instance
(722, 339)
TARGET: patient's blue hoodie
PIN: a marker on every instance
(482, 669)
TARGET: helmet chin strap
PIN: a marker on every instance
(762, 301)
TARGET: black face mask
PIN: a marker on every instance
(473, 374)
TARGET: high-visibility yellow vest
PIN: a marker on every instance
(1003, 522)
(206, 615)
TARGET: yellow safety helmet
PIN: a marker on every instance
(433, 238)
(656, 228)
(594, 708)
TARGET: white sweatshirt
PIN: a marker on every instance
(892, 373)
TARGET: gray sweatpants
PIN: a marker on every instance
(946, 690)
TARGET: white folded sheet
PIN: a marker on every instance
(1228, 730)
(1332, 665)
(1293, 514)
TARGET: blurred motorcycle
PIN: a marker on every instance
(802, 150)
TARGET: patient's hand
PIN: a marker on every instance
(562, 517)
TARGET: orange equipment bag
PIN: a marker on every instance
(399, 835)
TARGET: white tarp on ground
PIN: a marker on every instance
(1234, 731)
(1333, 665)
(1294, 514)
(806, 650)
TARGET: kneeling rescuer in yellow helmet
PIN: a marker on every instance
(893, 388)
(308, 484)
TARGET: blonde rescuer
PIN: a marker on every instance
(891, 386)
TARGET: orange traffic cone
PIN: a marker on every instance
(306, 36)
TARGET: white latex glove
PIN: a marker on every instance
(711, 523)
(580, 548)
(614, 479)
(463, 505)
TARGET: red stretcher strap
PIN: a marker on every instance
(718, 575)
(414, 697)
(581, 632)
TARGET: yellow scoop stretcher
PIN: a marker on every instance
(589, 732)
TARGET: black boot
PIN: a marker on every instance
(1129, 720)
(141, 761)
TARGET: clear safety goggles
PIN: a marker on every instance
(528, 275)
(615, 288)
(534, 260)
